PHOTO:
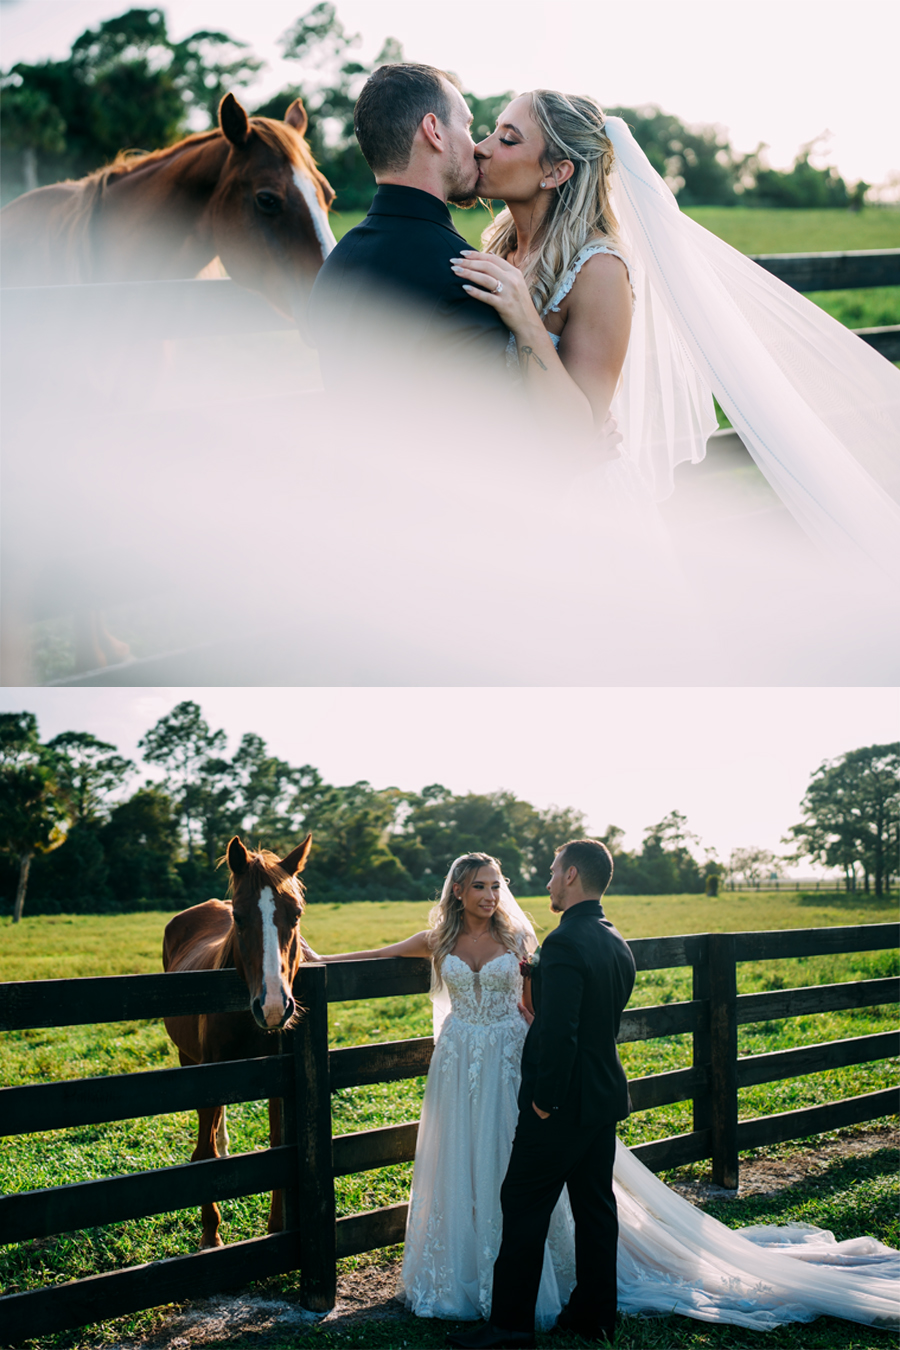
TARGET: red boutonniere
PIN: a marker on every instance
(530, 964)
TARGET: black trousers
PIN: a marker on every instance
(547, 1155)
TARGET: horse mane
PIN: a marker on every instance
(225, 955)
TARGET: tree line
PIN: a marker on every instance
(76, 835)
(128, 84)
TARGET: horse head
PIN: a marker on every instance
(269, 213)
(267, 901)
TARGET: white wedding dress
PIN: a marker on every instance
(672, 1258)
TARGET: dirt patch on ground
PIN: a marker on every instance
(767, 1175)
(369, 1294)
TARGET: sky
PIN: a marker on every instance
(778, 71)
(736, 762)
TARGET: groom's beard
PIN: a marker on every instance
(461, 188)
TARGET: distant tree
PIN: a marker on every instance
(29, 125)
(851, 815)
(351, 835)
(751, 864)
(540, 835)
(666, 858)
(140, 845)
(439, 826)
(182, 743)
(125, 84)
(32, 812)
(801, 186)
(666, 863)
(697, 162)
(272, 798)
(88, 772)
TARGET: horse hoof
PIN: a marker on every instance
(207, 1244)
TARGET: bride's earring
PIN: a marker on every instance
(543, 184)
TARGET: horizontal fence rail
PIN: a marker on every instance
(303, 1073)
(834, 271)
(61, 1209)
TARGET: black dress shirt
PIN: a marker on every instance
(387, 291)
(581, 985)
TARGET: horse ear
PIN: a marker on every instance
(296, 116)
(233, 120)
(238, 857)
(296, 861)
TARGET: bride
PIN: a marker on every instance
(591, 230)
(671, 1256)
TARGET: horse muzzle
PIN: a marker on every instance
(272, 1017)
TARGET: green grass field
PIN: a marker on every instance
(770, 231)
(858, 1199)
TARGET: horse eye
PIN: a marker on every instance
(268, 202)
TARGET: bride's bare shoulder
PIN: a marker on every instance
(603, 274)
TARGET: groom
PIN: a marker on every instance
(412, 124)
(573, 1091)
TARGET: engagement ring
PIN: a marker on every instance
(499, 288)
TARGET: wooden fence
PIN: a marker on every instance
(192, 309)
(304, 1073)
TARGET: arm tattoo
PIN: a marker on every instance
(531, 355)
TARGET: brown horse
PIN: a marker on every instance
(258, 933)
(248, 193)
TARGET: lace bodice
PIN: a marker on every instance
(568, 281)
(562, 290)
(486, 996)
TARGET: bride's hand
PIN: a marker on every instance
(526, 1013)
(497, 283)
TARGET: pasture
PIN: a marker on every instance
(860, 1199)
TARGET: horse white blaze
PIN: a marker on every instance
(317, 212)
(272, 995)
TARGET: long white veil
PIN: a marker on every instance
(818, 409)
(521, 924)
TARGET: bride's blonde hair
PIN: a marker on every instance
(573, 128)
(446, 917)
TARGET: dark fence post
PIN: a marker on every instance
(701, 1049)
(723, 1058)
(311, 1207)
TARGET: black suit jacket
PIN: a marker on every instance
(583, 980)
(387, 288)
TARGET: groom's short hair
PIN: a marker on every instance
(593, 861)
(390, 108)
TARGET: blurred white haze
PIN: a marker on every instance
(417, 527)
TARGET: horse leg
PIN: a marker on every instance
(222, 1140)
(208, 1121)
(276, 1209)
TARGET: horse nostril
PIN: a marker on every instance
(289, 1010)
(257, 1009)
